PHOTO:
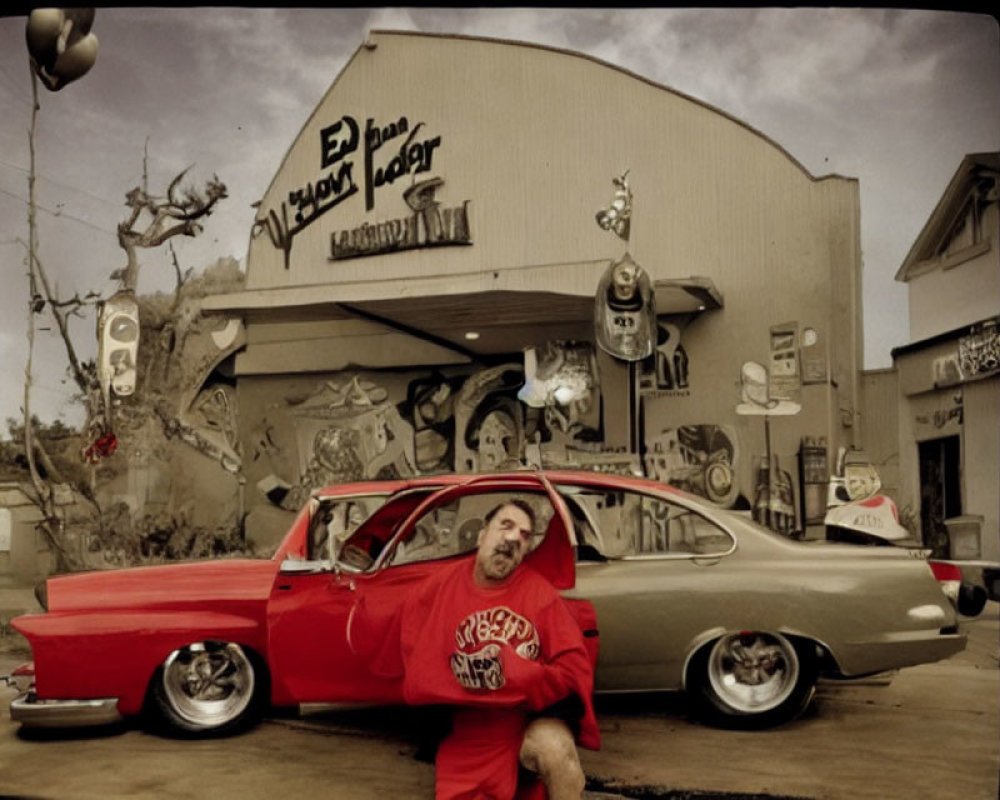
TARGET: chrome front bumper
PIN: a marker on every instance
(31, 712)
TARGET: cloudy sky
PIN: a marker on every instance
(894, 98)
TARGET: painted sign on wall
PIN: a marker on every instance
(428, 226)
(388, 151)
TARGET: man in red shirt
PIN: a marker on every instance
(494, 640)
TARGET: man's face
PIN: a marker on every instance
(503, 543)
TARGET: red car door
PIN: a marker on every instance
(310, 603)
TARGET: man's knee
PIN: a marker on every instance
(549, 750)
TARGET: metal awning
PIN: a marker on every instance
(477, 315)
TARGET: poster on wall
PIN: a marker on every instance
(814, 366)
(785, 380)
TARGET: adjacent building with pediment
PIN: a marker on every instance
(949, 373)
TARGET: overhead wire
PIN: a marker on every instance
(54, 182)
(61, 214)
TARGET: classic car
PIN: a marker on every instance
(687, 596)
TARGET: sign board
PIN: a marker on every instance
(6, 526)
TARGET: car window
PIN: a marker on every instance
(671, 528)
(611, 524)
(336, 519)
(359, 548)
(452, 529)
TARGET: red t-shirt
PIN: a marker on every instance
(499, 653)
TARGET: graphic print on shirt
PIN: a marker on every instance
(476, 660)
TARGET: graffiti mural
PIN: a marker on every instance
(353, 428)
(666, 372)
(671, 358)
(349, 431)
(979, 352)
(701, 459)
(947, 370)
(216, 406)
(561, 379)
(489, 421)
(430, 408)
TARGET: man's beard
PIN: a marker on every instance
(501, 563)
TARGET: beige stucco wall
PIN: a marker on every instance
(880, 425)
(981, 460)
(945, 298)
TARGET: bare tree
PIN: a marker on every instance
(176, 215)
(151, 222)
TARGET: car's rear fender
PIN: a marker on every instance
(824, 656)
(115, 653)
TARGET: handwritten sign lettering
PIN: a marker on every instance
(338, 140)
(389, 151)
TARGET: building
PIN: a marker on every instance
(427, 286)
(949, 373)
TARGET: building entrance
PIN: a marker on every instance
(940, 490)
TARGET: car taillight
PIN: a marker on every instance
(949, 578)
(22, 678)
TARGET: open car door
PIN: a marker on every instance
(384, 559)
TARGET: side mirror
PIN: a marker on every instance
(300, 566)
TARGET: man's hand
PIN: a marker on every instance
(522, 675)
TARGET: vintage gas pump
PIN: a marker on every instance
(814, 476)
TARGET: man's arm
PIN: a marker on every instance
(564, 668)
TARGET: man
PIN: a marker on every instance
(492, 638)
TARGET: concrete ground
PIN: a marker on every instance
(928, 732)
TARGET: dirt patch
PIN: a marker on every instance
(615, 789)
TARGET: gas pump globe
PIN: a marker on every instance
(624, 312)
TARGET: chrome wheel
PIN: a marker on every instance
(208, 685)
(753, 672)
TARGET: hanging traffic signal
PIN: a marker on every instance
(118, 343)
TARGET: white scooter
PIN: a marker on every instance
(855, 511)
(858, 514)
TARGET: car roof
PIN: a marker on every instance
(576, 477)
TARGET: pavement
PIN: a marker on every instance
(928, 731)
